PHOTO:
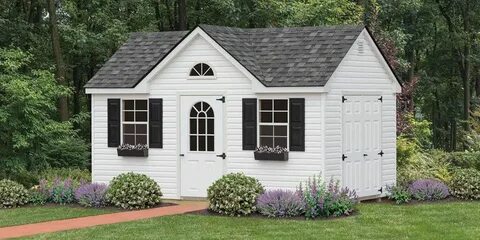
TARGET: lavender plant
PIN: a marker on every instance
(327, 200)
(91, 195)
(62, 191)
(428, 190)
(267, 149)
(280, 203)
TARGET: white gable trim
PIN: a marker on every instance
(393, 78)
(184, 43)
(396, 87)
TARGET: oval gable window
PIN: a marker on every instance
(200, 70)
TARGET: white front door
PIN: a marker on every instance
(362, 144)
(201, 124)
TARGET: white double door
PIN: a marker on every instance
(201, 143)
(362, 124)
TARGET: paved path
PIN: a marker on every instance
(84, 222)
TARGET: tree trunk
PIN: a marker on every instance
(77, 94)
(57, 54)
(182, 15)
(158, 15)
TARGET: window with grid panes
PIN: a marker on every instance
(273, 122)
(135, 122)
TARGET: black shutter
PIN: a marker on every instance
(249, 123)
(155, 123)
(113, 122)
(297, 124)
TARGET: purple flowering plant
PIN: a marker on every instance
(91, 195)
(280, 203)
(62, 191)
(324, 200)
(428, 190)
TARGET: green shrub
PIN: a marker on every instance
(465, 184)
(399, 194)
(133, 191)
(38, 197)
(425, 165)
(464, 159)
(12, 194)
(234, 194)
(78, 176)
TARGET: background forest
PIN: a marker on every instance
(49, 49)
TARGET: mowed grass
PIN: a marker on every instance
(444, 220)
(35, 214)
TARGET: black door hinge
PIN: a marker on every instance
(221, 99)
(381, 153)
(223, 155)
(380, 190)
(380, 98)
(343, 157)
(344, 99)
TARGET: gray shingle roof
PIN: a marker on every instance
(277, 57)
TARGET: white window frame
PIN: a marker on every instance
(259, 123)
(201, 77)
(122, 116)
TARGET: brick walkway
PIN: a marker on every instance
(84, 222)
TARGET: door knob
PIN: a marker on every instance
(365, 154)
(181, 155)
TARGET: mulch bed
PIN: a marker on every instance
(207, 212)
(412, 202)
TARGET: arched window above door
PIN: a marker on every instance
(201, 70)
(202, 127)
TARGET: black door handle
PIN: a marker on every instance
(223, 155)
(365, 154)
(181, 155)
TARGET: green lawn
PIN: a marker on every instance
(452, 220)
(34, 214)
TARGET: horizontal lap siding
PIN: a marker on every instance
(360, 72)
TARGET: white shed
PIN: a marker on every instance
(204, 100)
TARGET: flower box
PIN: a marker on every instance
(271, 156)
(133, 152)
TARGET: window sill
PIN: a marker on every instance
(271, 156)
(201, 78)
(133, 153)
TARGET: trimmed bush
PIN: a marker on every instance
(322, 200)
(91, 195)
(234, 194)
(280, 203)
(12, 194)
(428, 190)
(133, 191)
(399, 194)
(465, 184)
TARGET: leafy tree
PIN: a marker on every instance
(30, 138)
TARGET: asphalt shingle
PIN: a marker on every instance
(277, 57)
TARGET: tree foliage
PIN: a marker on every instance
(30, 138)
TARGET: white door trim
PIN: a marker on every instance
(218, 134)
